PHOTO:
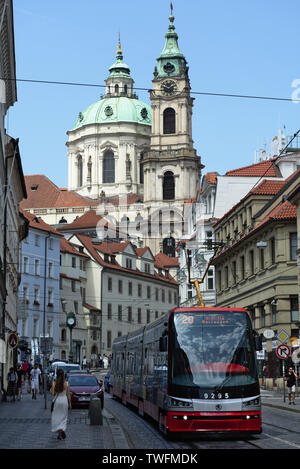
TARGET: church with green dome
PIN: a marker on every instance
(121, 145)
(109, 138)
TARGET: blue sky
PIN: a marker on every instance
(235, 47)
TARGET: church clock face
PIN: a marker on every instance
(168, 88)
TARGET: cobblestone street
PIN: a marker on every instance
(26, 424)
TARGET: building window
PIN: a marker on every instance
(274, 312)
(251, 262)
(148, 316)
(128, 263)
(129, 310)
(119, 312)
(36, 240)
(109, 311)
(234, 272)
(156, 294)
(169, 246)
(226, 277)
(272, 250)
(25, 265)
(294, 308)
(141, 169)
(74, 262)
(108, 167)
(139, 317)
(108, 339)
(79, 171)
(210, 279)
(262, 316)
(293, 246)
(148, 292)
(168, 186)
(162, 295)
(63, 335)
(36, 267)
(147, 268)
(130, 288)
(73, 285)
(120, 286)
(109, 284)
(50, 270)
(262, 258)
(242, 267)
(139, 290)
(169, 118)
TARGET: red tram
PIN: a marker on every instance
(192, 370)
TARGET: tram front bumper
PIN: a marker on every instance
(214, 421)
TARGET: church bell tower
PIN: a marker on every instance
(172, 168)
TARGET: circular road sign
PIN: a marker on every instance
(283, 351)
(12, 340)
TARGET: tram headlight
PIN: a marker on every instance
(252, 403)
(178, 403)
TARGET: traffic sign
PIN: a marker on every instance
(12, 340)
(283, 351)
(283, 336)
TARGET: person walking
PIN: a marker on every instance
(62, 402)
(12, 379)
(35, 378)
(84, 362)
(19, 382)
(291, 384)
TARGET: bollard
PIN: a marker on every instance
(95, 411)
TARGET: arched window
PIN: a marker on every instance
(89, 170)
(109, 167)
(117, 89)
(141, 169)
(79, 171)
(168, 186)
(169, 121)
(169, 246)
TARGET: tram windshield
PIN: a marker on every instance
(211, 349)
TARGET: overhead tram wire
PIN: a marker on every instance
(203, 93)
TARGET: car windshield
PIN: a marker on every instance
(211, 349)
(82, 381)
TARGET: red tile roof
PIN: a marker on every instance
(94, 249)
(43, 193)
(89, 219)
(211, 177)
(162, 261)
(66, 246)
(38, 223)
(265, 168)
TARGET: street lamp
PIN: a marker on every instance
(71, 322)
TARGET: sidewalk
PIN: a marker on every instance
(27, 424)
(276, 399)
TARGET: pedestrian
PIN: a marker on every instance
(24, 368)
(84, 362)
(12, 379)
(105, 361)
(100, 361)
(41, 379)
(291, 384)
(35, 377)
(62, 402)
(264, 373)
(19, 382)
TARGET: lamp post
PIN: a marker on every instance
(71, 322)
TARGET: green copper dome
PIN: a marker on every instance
(120, 103)
(115, 109)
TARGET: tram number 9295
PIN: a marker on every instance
(214, 395)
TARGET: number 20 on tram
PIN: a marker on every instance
(192, 370)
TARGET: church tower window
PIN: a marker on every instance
(79, 171)
(169, 247)
(141, 169)
(168, 186)
(108, 167)
(169, 121)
